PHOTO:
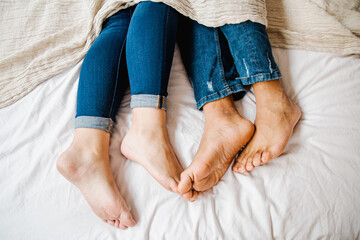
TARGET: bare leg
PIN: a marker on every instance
(86, 164)
(226, 132)
(148, 144)
(276, 117)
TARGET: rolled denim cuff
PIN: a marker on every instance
(101, 123)
(148, 100)
(261, 78)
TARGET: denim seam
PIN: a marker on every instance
(258, 75)
(160, 101)
(218, 51)
(229, 91)
(117, 78)
(109, 130)
(232, 87)
(165, 49)
(249, 43)
(256, 80)
(226, 89)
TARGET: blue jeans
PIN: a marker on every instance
(149, 53)
(149, 31)
(221, 61)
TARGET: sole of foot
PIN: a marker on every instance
(148, 144)
(276, 117)
(224, 136)
(89, 170)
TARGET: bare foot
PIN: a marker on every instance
(276, 117)
(86, 164)
(226, 132)
(148, 144)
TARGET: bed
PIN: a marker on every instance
(311, 191)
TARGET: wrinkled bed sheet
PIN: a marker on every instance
(311, 191)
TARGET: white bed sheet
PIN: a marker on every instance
(312, 191)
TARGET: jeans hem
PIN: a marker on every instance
(260, 78)
(148, 100)
(100, 123)
(238, 89)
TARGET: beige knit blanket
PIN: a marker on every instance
(40, 38)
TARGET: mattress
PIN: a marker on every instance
(311, 191)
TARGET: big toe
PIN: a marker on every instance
(173, 185)
(257, 159)
(122, 226)
(127, 219)
(265, 157)
(186, 183)
(249, 165)
(240, 163)
(191, 195)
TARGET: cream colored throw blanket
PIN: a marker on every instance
(40, 38)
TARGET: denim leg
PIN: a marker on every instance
(251, 50)
(208, 63)
(149, 53)
(103, 76)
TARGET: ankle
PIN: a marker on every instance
(91, 141)
(146, 119)
(267, 85)
(220, 109)
(269, 91)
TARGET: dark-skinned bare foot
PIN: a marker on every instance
(276, 117)
(226, 132)
(86, 164)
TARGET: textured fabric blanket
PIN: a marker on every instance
(40, 38)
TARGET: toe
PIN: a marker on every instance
(242, 164)
(249, 165)
(190, 195)
(111, 222)
(265, 157)
(241, 168)
(117, 223)
(187, 196)
(236, 167)
(185, 184)
(173, 185)
(239, 165)
(122, 226)
(195, 195)
(127, 219)
(257, 159)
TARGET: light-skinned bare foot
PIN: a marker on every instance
(225, 133)
(148, 144)
(86, 164)
(276, 117)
